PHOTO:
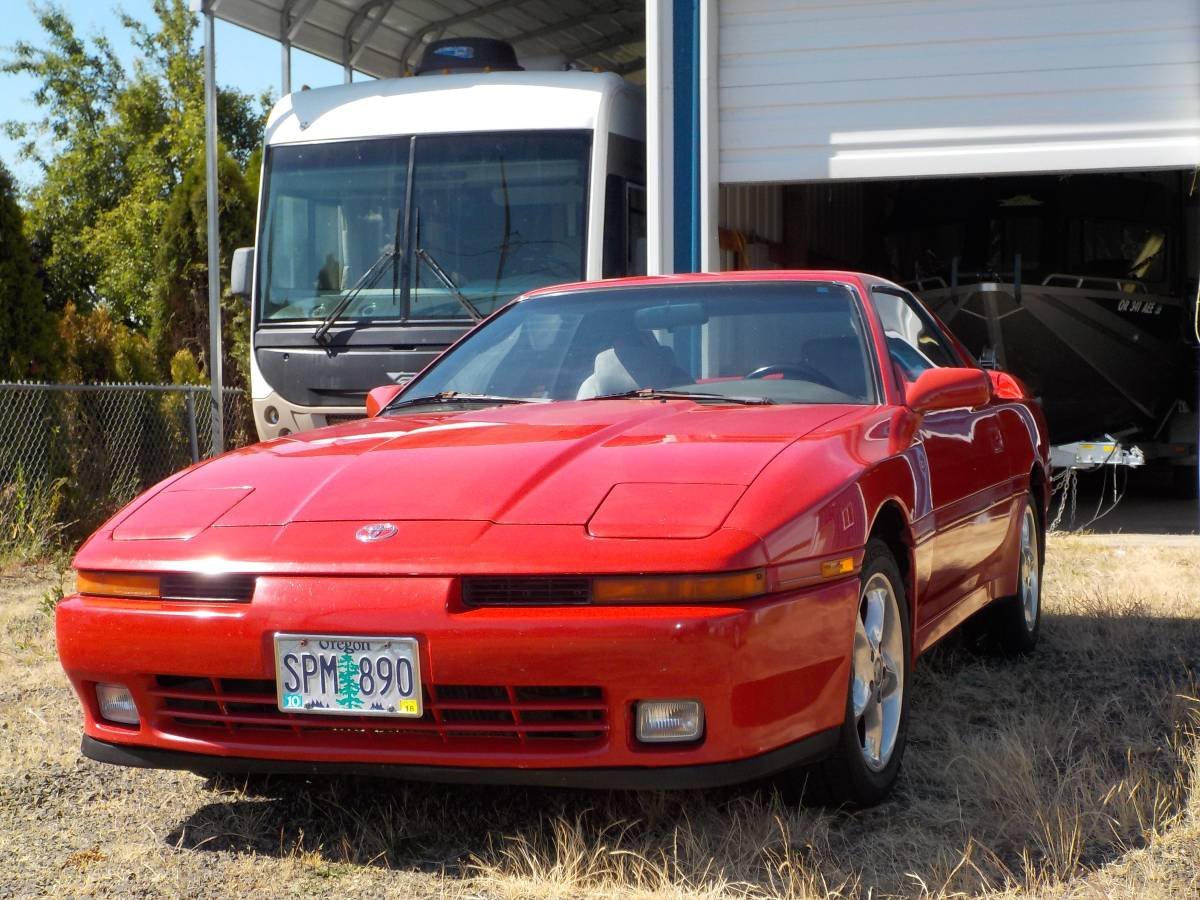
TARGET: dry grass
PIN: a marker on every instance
(1073, 773)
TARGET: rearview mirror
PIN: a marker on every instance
(240, 272)
(670, 315)
(378, 398)
(948, 389)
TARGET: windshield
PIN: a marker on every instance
(498, 214)
(783, 342)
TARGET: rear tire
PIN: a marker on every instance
(870, 744)
(1010, 626)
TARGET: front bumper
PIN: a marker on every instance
(291, 418)
(669, 778)
(770, 673)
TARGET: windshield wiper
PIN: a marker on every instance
(425, 257)
(367, 279)
(460, 397)
(666, 394)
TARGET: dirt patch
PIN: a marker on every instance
(1070, 773)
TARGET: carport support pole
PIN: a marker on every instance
(214, 237)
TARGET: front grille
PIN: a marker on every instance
(526, 590)
(576, 716)
(193, 586)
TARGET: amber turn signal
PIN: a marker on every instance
(832, 568)
(679, 588)
(117, 584)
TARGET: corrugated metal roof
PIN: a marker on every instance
(383, 37)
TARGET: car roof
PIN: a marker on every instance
(861, 279)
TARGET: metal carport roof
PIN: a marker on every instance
(383, 38)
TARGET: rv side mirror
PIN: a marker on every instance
(240, 271)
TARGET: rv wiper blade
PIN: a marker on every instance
(459, 397)
(701, 396)
(427, 258)
(367, 279)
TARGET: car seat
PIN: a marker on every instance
(633, 363)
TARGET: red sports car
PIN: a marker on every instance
(678, 531)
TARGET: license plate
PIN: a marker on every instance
(348, 675)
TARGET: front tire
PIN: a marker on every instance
(866, 761)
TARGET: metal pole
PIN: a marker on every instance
(193, 441)
(214, 237)
(285, 79)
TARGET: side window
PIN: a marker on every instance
(635, 205)
(624, 228)
(616, 228)
(913, 341)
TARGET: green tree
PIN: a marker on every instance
(97, 347)
(348, 683)
(27, 333)
(123, 159)
(180, 281)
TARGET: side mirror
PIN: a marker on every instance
(948, 389)
(378, 398)
(1007, 386)
(240, 272)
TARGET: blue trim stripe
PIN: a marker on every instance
(685, 66)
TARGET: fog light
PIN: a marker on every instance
(271, 415)
(116, 704)
(669, 720)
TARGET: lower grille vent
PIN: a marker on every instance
(525, 714)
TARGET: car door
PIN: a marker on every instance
(969, 481)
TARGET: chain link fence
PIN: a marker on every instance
(71, 454)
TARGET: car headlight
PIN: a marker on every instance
(660, 721)
(663, 510)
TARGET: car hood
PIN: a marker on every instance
(549, 464)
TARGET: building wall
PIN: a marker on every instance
(814, 89)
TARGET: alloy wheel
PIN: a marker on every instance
(877, 688)
(1029, 576)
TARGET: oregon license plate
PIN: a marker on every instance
(348, 675)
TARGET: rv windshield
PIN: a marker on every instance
(500, 213)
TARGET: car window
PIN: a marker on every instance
(914, 342)
(789, 343)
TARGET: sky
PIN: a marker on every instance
(245, 60)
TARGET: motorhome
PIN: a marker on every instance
(395, 214)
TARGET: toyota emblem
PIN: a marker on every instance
(379, 531)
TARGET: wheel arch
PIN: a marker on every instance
(1039, 488)
(891, 525)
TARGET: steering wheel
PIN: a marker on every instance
(797, 370)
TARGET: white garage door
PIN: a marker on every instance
(818, 89)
